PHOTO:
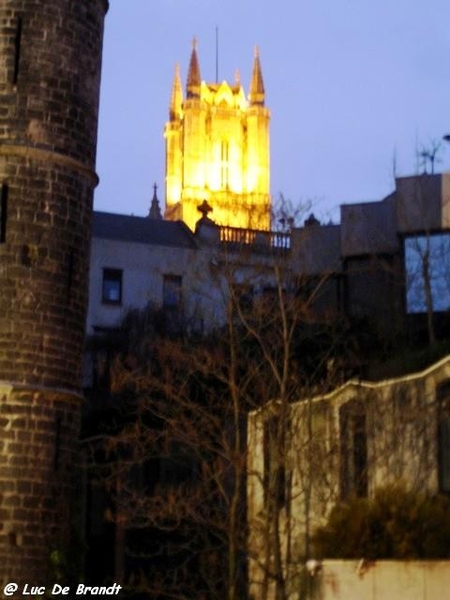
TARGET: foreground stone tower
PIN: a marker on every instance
(50, 57)
(217, 149)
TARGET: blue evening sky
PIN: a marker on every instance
(350, 84)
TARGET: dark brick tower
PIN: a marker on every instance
(50, 57)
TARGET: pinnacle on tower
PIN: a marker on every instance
(155, 211)
(193, 78)
(176, 99)
(256, 95)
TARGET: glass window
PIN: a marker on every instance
(427, 268)
(112, 286)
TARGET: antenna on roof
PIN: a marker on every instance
(217, 54)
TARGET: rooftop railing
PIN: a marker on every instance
(260, 241)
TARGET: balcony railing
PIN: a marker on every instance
(264, 242)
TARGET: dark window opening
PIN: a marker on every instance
(17, 43)
(70, 272)
(3, 212)
(353, 449)
(112, 286)
(274, 468)
(103, 345)
(57, 457)
(172, 291)
(443, 400)
(242, 296)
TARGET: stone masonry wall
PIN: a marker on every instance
(50, 59)
(49, 88)
(37, 472)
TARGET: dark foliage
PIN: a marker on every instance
(395, 524)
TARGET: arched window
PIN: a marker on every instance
(275, 481)
(224, 165)
(353, 448)
(443, 429)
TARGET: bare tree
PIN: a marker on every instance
(179, 469)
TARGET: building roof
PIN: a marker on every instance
(141, 230)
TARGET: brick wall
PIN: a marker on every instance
(37, 475)
(50, 57)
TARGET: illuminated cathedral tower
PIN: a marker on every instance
(217, 149)
(50, 57)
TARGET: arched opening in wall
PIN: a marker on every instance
(443, 430)
(275, 481)
(353, 449)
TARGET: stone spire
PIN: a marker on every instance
(256, 95)
(193, 78)
(176, 100)
(155, 211)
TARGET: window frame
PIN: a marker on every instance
(112, 275)
(431, 247)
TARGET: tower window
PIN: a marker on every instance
(112, 286)
(17, 42)
(70, 273)
(224, 165)
(3, 212)
(57, 457)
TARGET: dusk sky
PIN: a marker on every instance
(350, 84)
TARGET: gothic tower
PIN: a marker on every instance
(217, 149)
(50, 58)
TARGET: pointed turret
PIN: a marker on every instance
(256, 95)
(176, 100)
(155, 211)
(193, 78)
